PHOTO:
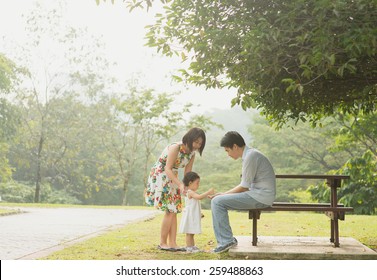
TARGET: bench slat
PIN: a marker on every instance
(311, 176)
(307, 208)
(304, 204)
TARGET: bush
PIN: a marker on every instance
(24, 193)
(61, 197)
(360, 191)
(16, 192)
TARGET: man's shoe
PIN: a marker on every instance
(224, 248)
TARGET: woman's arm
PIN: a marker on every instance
(189, 166)
(170, 161)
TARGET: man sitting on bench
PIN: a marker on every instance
(257, 188)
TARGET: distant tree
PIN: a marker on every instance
(59, 61)
(355, 134)
(9, 125)
(144, 120)
(357, 137)
(154, 121)
(204, 122)
(7, 73)
(9, 118)
(301, 59)
(361, 190)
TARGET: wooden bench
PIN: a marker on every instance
(334, 210)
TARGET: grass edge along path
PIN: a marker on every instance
(6, 211)
(10, 208)
(138, 241)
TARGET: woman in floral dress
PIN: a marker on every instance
(164, 187)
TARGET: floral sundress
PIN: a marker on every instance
(161, 192)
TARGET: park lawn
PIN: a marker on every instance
(138, 241)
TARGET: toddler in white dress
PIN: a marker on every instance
(191, 216)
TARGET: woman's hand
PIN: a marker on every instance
(182, 188)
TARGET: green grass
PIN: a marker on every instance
(4, 212)
(138, 241)
(9, 211)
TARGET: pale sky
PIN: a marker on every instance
(123, 33)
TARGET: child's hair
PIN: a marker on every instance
(190, 177)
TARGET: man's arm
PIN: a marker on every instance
(237, 189)
(249, 169)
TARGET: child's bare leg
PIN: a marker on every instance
(190, 240)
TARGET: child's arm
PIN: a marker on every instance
(201, 196)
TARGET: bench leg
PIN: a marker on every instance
(334, 184)
(332, 231)
(255, 238)
(336, 231)
(334, 238)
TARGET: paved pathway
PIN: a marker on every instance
(43, 229)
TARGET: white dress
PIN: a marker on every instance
(191, 216)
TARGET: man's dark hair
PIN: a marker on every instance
(231, 138)
(192, 135)
(190, 177)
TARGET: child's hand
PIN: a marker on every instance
(211, 191)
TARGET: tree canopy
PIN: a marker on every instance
(301, 59)
(7, 73)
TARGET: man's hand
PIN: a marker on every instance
(213, 195)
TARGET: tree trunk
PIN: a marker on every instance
(125, 189)
(38, 171)
(146, 168)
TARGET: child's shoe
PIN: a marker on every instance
(192, 249)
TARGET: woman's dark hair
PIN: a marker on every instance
(190, 177)
(192, 135)
(231, 138)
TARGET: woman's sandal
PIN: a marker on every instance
(179, 249)
(166, 249)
